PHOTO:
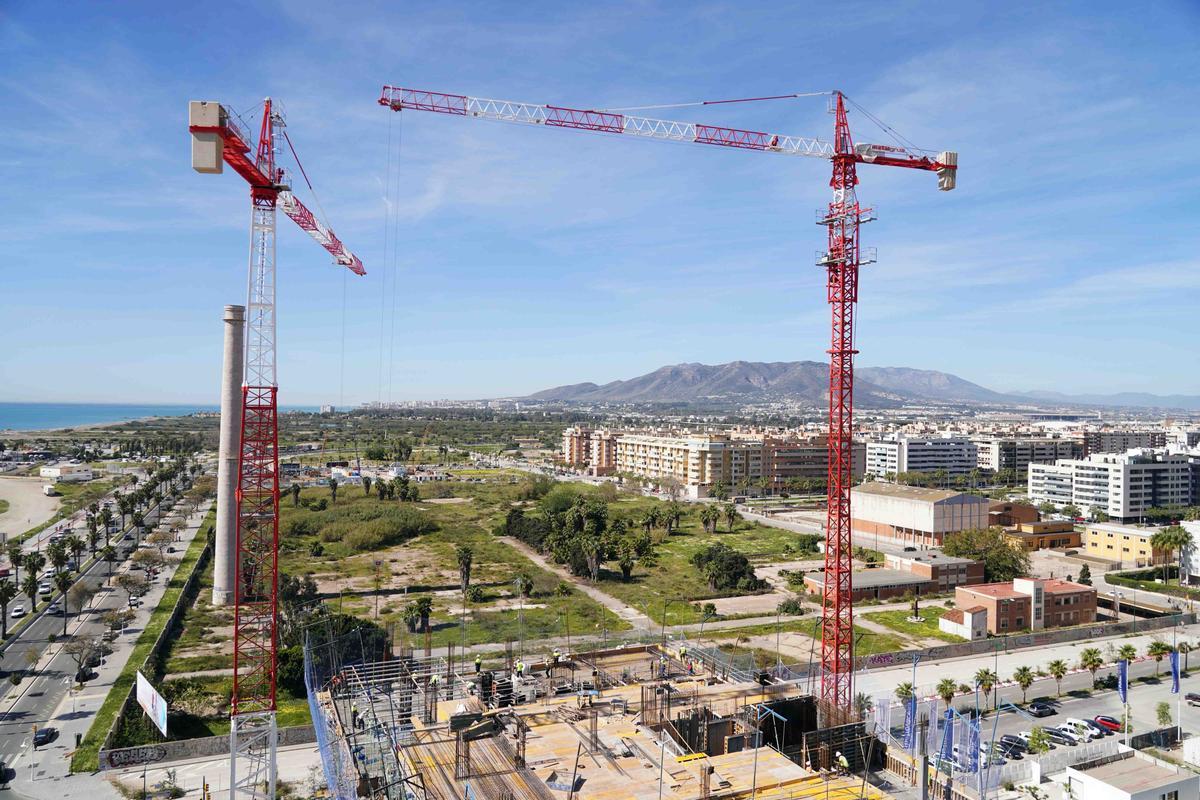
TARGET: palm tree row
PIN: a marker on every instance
(1090, 659)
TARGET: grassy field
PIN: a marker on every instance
(3, 506)
(927, 628)
(85, 757)
(673, 579)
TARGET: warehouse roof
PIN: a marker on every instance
(875, 578)
(911, 492)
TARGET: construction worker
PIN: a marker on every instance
(354, 716)
(520, 669)
(433, 684)
(682, 653)
(478, 664)
(843, 764)
(555, 658)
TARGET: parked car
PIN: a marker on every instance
(1008, 740)
(17, 612)
(1012, 751)
(1097, 729)
(1111, 723)
(1073, 733)
(44, 736)
(1085, 730)
(1058, 737)
(1192, 699)
(1039, 709)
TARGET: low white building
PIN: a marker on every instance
(67, 473)
(969, 623)
(1189, 559)
(1131, 775)
(914, 515)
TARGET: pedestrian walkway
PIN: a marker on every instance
(626, 612)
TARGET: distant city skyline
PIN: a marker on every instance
(527, 259)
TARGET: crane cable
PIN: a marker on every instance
(395, 259)
(718, 102)
(387, 218)
(901, 140)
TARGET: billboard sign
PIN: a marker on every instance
(152, 703)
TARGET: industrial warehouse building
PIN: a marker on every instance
(67, 473)
(913, 515)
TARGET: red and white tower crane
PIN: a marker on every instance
(841, 261)
(219, 138)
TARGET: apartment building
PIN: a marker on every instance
(577, 446)
(594, 451)
(1030, 604)
(913, 515)
(954, 456)
(805, 458)
(697, 462)
(1016, 454)
(1120, 441)
(1122, 485)
(1126, 544)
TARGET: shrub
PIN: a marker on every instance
(726, 568)
(398, 526)
(791, 606)
(475, 594)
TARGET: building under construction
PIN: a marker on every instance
(634, 721)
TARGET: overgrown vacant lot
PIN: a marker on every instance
(374, 554)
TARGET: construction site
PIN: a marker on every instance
(635, 721)
(609, 724)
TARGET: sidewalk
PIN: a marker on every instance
(46, 772)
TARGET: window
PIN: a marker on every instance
(1171, 795)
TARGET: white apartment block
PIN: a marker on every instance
(1122, 485)
(957, 456)
(997, 454)
(1121, 441)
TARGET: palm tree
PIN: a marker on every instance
(109, 554)
(1024, 677)
(16, 557)
(333, 484)
(76, 546)
(62, 582)
(464, 555)
(904, 692)
(986, 680)
(708, 518)
(93, 539)
(731, 515)
(367, 485)
(1091, 660)
(946, 689)
(1169, 540)
(1126, 652)
(57, 552)
(34, 562)
(30, 587)
(1057, 669)
(862, 704)
(8, 593)
(106, 519)
(1156, 650)
(295, 495)
(1185, 648)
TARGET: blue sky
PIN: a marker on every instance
(527, 257)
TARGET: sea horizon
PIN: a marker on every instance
(29, 416)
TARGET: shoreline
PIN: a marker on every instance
(185, 411)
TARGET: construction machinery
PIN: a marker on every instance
(841, 260)
(218, 138)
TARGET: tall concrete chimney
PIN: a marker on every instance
(232, 370)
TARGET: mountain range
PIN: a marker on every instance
(808, 381)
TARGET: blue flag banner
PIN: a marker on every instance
(973, 746)
(1174, 672)
(1123, 680)
(948, 737)
(910, 723)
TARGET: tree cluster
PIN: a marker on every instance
(725, 568)
(1002, 559)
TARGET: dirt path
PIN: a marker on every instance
(628, 613)
(27, 506)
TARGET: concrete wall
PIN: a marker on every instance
(178, 750)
